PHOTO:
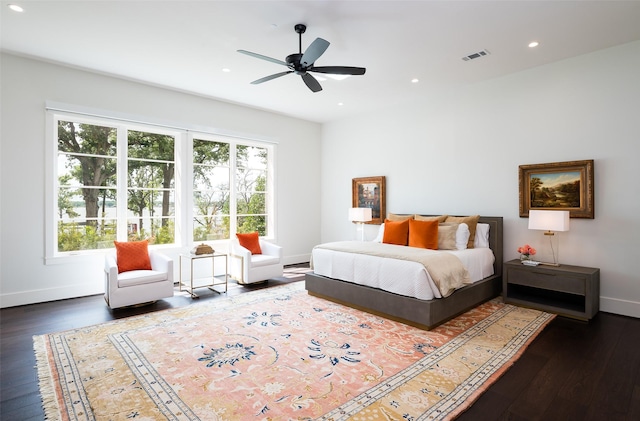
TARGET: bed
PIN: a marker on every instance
(419, 312)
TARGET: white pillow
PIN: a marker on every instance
(462, 236)
(378, 238)
(482, 236)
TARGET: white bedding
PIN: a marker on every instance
(398, 276)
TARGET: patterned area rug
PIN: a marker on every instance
(278, 354)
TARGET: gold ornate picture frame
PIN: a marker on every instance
(370, 192)
(557, 186)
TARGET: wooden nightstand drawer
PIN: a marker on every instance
(548, 280)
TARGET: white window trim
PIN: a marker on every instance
(184, 135)
(271, 227)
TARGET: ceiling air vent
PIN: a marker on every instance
(479, 54)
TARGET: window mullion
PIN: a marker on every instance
(184, 178)
(121, 184)
(233, 193)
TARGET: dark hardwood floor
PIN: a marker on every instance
(572, 371)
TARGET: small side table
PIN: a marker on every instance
(188, 285)
(572, 291)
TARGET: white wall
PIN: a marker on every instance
(26, 85)
(459, 154)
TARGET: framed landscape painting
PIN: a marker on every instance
(557, 186)
(369, 192)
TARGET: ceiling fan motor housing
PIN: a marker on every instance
(293, 61)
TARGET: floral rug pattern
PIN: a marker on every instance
(277, 354)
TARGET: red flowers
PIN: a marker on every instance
(527, 250)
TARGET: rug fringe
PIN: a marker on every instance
(45, 380)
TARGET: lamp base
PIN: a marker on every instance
(550, 264)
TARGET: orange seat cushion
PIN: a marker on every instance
(250, 241)
(423, 234)
(132, 255)
(396, 232)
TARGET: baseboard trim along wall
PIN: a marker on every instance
(621, 307)
(49, 294)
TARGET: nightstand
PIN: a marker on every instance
(572, 291)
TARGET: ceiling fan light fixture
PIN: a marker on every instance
(303, 63)
(337, 77)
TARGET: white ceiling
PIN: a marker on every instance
(184, 45)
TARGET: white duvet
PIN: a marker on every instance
(397, 276)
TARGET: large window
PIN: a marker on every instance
(116, 180)
(86, 196)
(151, 187)
(211, 190)
(229, 195)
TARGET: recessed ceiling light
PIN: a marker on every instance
(16, 8)
(415, 80)
(533, 44)
(226, 70)
(340, 104)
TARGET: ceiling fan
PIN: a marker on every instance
(301, 64)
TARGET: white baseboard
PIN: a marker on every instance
(621, 307)
(49, 294)
(294, 260)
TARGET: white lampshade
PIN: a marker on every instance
(360, 214)
(549, 220)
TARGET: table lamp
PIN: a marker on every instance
(360, 216)
(550, 221)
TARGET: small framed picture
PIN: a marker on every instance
(369, 192)
(557, 186)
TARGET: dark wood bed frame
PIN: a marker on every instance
(425, 314)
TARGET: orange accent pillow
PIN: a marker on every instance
(423, 234)
(132, 255)
(396, 232)
(250, 241)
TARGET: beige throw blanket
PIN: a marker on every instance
(445, 269)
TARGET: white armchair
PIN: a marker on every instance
(138, 286)
(247, 268)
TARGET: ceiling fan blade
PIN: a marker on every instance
(315, 50)
(270, 77)
(338, 70)
(311, 82)
(260, 56)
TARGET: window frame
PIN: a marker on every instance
(183, 182)
(233, 143)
